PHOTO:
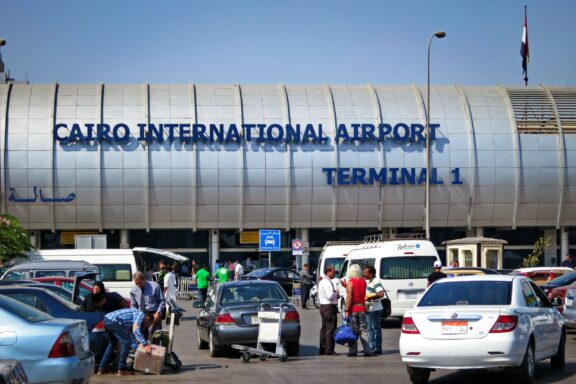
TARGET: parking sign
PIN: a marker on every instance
(269, 240)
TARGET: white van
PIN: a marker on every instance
(116, 265)
(402, 264)
(334, 254)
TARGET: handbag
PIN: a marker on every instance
(345, 335)
(386, 306)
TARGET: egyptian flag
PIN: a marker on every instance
(524, 52)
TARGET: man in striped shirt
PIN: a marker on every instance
(124, 327)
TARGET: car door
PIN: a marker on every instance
(282, 278)
(553, 327)
(538, 318)
(207, 315)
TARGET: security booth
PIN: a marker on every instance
(480, 252)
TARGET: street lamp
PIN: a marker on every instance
(439, 35)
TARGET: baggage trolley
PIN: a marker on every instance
(186, 288)
(166, 338)
(269, 332)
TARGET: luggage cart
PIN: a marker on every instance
(166, 338)
(269, 332)
(187, 289)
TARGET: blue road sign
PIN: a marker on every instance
(269, 240)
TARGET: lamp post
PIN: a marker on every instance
(439, 35)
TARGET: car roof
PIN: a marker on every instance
(480, 277)
(51, 264)
(248, 282)
(544, 269)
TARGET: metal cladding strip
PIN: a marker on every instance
(99, 189)
(288, 118)
(194, 161)
(381, 162)
(3, 158)
(330, 97)
(473, 160)
(422, 109)
(242, 157)
(562, 147)
(517, 154)
(53, 145)
(147, 162)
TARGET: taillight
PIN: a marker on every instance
(63, 347)
(292, 316)
(224, 318)
(505, 323)
(409, 327)
(99, 327)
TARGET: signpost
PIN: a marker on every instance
(269, 242)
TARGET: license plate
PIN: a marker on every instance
(569, 302)
(254, 319)
(454, 327)
(411, 296)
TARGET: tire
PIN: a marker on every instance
(201, 344)
(292, 349)
(526, 371)
(558, 361)
(418, 375)
(315, 301)
(214, 350)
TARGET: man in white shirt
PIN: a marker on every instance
(169, 284)
(238, 271)
(328, 298)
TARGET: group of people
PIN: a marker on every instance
(364, 294)
(225, 271)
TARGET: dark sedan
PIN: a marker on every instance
(56, 306)
(285, 277)
(230, 316)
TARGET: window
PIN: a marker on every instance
(336, 262)
(252, 294)
(22, 310)
(467, 293)
(18, 275)
(453, 255)
(529, 295)
(406, 267)
(468, 258)
(292, 275)
(40, 274)
(280, 274)
(491, 259)
(115, 272)
(542, 299)
(30, 300)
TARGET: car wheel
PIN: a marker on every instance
(316, 301)
(292, 349)
(418, 375)
(201, 344)
(558, 361)
(527, 370)
(214, 350)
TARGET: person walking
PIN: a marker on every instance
(125, 328)
(169, 284)
(238, 270)
(356, 310)
(328, 298)
(203, 282)
(147, 297)
(374, 308)
(305, 285)
(161, 274)
(569, 262)
(437, 274)
(221, 274)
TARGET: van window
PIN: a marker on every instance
(115, 272)
(363, 263)
(406, 267)
(18, 275)
(40, 274)
(336, 262)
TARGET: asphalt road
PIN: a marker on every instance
(309, 368)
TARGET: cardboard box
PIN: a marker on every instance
(152, 363)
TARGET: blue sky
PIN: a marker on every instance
(292, 42)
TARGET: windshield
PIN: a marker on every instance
(335, 262)
(250, 293)
(467, 293)
(406, 267)
(24, 311)
(563, 280)
(259, 272)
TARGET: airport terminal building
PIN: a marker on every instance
(197, 168)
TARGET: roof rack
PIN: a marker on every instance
(370, 239)
(351, 242)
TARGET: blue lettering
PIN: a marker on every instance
(356, 128)
(89, 132)
(417, 132)
(358, 176)
(184, 133)
(248, 131)
(142, 134)
(394, 176)
(216, 132)
(329, 172)
(433, 128)
(309, 134)
(171, 128)
(261, 128)
(377, 176)
(57, 136)
(321, 135)
(408, 176)
(435, 179)
(384, 130)
(199, 133)
(368, 132)
(156, 132)
(293, 134)
(118, 128)
(76, 133)
(103, 133)
(456, 179)
(397, 135)
(233, 135)
(343, 176)
(342, 133)
(270, 133)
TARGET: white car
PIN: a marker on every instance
(484, 321)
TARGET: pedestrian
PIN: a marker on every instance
(238, 270)
(101, 301)
(184, 270)
(125, 327)
(356, 310)
(454, 264)
(249, 263)
(203, 282)
(169, 284)
(569, 262)
(305, 285)
(161, 274)
(437, 274)
(231, 269)
(221, 274)
(328, 298)
(147, 297)
(374, 308)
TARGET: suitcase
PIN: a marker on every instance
(152, 363)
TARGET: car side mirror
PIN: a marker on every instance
(556, 301)
(198, 304)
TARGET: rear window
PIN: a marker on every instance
(252, 293)
(22, 310)
(259, 273)
(406, 267)
(40, 274)
(467, 293)
(115, 272)
(17, 275)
